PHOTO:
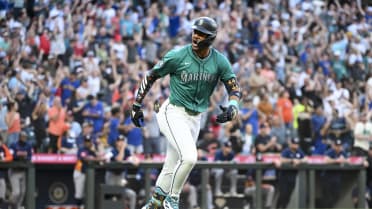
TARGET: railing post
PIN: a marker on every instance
(30, 192)
(311, 188)
(89, 186)
(147, 183)
(204, 187)
(302, 181)
(258, 187)
(362, 188)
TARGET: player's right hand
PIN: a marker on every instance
(228, 114)
(137, 115)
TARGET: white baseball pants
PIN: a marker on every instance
(181, 131)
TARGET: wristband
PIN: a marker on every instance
(137, 104)
(234, 103)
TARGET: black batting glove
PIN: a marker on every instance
(137, 115)
(228, 114)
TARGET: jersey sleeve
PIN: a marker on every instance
(286, 153)
(225, 68)
(167, 64)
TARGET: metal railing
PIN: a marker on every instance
(306, 173)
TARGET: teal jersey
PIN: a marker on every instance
(192, 79)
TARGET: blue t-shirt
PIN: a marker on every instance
(113, 130)
(288, 153)
(134, 136)
(80, 140)
(220, 156)
(82, 154)
(67, 92)
(329, 175)
(115, 153)
(19, 149)
(325, 65)
(174, 25)
(290, 175)
(97, 121)
(253, 120)
(318, 122)
(68, 142)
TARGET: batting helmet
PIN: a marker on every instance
(207, 26)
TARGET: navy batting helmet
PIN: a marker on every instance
(207, 26)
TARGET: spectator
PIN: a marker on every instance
(363, 135)
(85, 154)
(93, 111)
(264, 142)
(265, 106)
(318, 121)
(285, 111)
(134, 136)
(68, 144)
(302, 123)
(152, 139)
(39, 122)
(5, 156)
(13, 121)
(339, 128)
(114, 126)
(3, 124)
(87, 130)
(249, 115)
(57, 116)
(278, 130)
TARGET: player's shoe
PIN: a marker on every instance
(171, 203)
(156, 200)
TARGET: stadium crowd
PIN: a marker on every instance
(69, 72)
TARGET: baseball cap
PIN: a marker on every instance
(338, 142)
(22, 92)
(227, 144)
(90, 97)
(88, 138)
(87, 123)
(264, 125)
(23, 133)
(121, 138)
(90, 53)
(295, 140)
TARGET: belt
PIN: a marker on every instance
(191, 112)
(187, 110)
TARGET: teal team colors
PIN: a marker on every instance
(156, 200)
(193, 79)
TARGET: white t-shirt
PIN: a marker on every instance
(94, 84)
(364, 129)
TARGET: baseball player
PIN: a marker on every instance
(84, 154)
(5, 156)
(194, 70)
(121, 153)
(22, 151)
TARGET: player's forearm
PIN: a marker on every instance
(145, 86)
(233, 89)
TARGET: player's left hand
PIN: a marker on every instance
(228, 114)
